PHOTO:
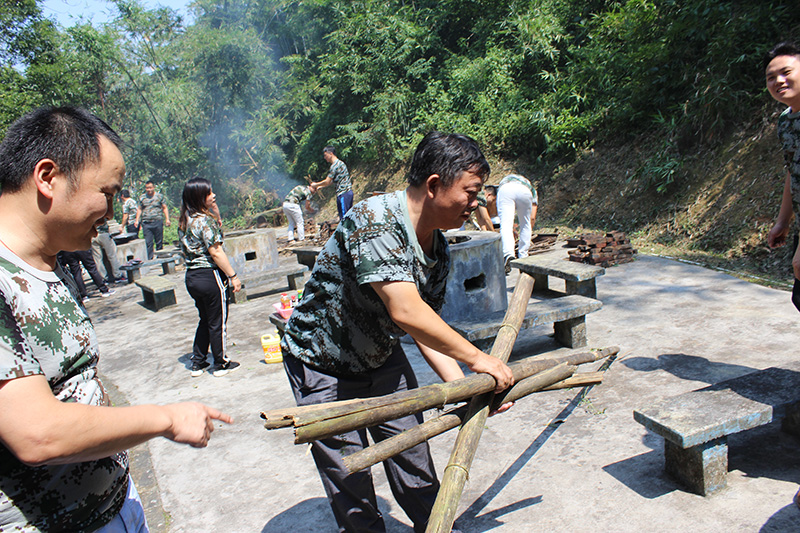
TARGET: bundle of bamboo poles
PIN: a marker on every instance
(320, 421)
(313, 422)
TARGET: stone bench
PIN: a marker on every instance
(134, 271)
(157, 292)
(566, 313)
(695, 425)
(279, 322)
(578, 277)
(307, 255)
(294, 275)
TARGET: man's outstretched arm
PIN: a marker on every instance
(39, 429)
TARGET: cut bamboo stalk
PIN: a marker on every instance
(313, 424)
(380, 451)
(313, 427)
(457, 469)
(583, 379)
(436, 395)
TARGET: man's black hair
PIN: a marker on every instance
(785, 48)
(448, 155)
(69, 136)
(330, 149)
(125, 193)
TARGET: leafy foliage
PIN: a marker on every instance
(249, 93)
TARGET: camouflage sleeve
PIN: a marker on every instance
(378, 246)
(16, 360)
(211, 232)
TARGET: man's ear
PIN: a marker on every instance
(433, 185)
(45, 173)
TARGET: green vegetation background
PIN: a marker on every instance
(249, 92)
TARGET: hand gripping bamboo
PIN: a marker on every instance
(457, 469)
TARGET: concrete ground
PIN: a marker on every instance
(549, 464)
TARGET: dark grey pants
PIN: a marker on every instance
(352, 496)
(153, 231)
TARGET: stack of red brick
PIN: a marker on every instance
(607, 250)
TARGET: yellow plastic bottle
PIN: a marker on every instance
(272, 348)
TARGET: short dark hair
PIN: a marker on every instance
(125, 193)
(70, 136)
(491, 188)
(330, 149)
(448, 155)
(785, 48)
(193, 200)
(149, 182)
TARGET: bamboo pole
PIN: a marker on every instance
(318, 421)
(380, 451)
(583, 379)
(314, 427)
(457, 469)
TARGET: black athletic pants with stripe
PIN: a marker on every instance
(209, 289)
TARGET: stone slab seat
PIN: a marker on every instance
(306, 255)
(578, 277)
(157, 292)
(695, 425)
(134, 272)
(566, 313)
(294, 275)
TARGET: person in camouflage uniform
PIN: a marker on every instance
(129, 208)
(339, 175)
(208, 275)
(152, 215)
(782, 71)
(486, 214)
(63, 465)
(293, 209)
(783, 83)
(382, 274)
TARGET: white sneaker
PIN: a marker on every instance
(107, 293)
(226, 369)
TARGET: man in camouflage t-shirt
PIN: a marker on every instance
(382, 274)
(783, 83)
(63, 465)
(129, 208)
(152, 215)
(339, 175)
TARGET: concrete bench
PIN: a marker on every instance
(134, 271)
(157, 292)
(294, 275)
(695, 425)
(566, 313)
(579, 277)
(307, 255)
(279, 322)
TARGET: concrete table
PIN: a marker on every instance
(579, 277)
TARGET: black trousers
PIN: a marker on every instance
(210, 295)
(74, 260)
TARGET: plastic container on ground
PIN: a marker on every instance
(272, 348)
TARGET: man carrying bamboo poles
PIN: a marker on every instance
(381, 275)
